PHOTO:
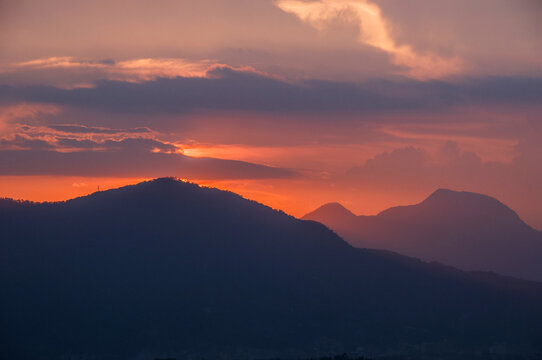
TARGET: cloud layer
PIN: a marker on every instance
(77, 150)
(126, 163)
(225, 88)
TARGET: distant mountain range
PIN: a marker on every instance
(170, 269)
(462, 229)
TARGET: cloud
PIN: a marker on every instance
(81, 129)
(26, 137)
(471, 30)
(127, 164)
(134, 145)
(99, 152)
(62, 62)
(414, 167)
(373, 31)
(16, 112)
(416, 171)
(24, 142)
(10, 113)
(232, 89)
(71, 72)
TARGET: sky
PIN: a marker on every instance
(293, 103)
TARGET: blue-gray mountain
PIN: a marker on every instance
(169, 268)
(462, 229)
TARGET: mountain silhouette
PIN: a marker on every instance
(170, 269)
(333, 213)
(462, 229)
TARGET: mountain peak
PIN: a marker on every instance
(446, 194)
(333, 210)
(165, 182)
(443, 192)
(459, 207)
(166, 186)
(467, 201)
(334, 206)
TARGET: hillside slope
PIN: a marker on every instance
(169, 268)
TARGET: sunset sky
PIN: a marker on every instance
(371, 103)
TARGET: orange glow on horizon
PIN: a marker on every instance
(57, 188)
(296, 197)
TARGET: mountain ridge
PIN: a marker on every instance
(438, 227)
(168, 267)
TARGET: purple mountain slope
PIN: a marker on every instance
(466, 230)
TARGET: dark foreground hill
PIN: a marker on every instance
(169, 269)
(466, 230)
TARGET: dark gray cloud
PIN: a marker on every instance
(229, 89)
(77, 144)
(127, 163)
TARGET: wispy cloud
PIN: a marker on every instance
(75, 137)
(71, 73)
(132, 70)
(82, 129)
(10, 114)
(374, 31)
